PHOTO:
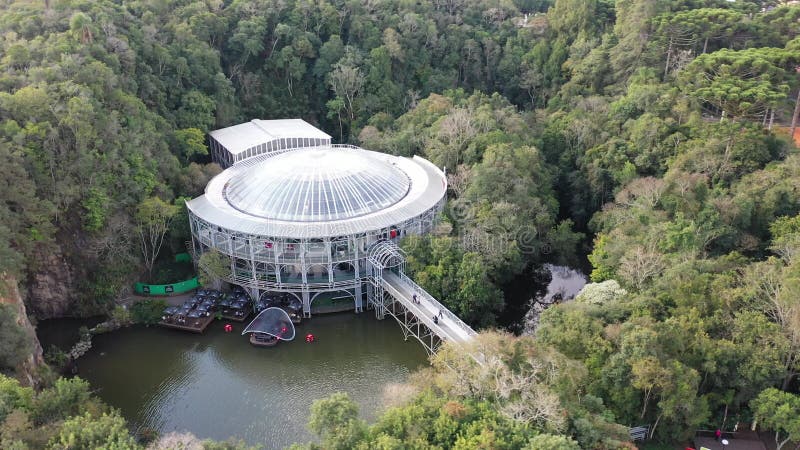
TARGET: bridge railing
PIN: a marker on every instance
(445, 312)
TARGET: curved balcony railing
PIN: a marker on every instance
(292, 284)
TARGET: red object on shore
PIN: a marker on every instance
(228, 328)
(309, 337)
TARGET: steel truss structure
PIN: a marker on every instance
(308, 259)
(391, 292)
(387, 256)
(411, 324)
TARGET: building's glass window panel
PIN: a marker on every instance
(318, 185)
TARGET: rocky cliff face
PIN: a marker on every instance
(27, 371)
(51, 287)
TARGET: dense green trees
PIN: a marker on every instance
(131, 88)
(101, 105)
(781, 412)
(106, 431)
(66, 416)
(212, 267)
(704, 333)
(523, 396)
(646, 127)
(691, 210)
(503, 212)
(35, 420)
(740, 84)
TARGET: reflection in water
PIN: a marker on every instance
(63, 333)
(564, 285)
(218, 386)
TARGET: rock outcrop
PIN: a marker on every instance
(28, 370)
(51, 287)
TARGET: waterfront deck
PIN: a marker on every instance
(233, 317)
(194, 325)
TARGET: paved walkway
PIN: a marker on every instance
(172, 300)
(449, 328)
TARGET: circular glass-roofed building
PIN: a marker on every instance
(302, 220)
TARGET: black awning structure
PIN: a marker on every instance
(274, 322)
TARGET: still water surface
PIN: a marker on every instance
(217, 385)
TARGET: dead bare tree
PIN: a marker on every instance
(640, 265)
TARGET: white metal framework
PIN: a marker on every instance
(303, 220)
(274, 322)
(246, 140)
(419, 314)
(317, 184)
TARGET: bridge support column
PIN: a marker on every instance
(255, 294)
(306, 304)
(359, 299)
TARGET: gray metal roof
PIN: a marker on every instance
(315, 184)
(320, 192)
(238, 138)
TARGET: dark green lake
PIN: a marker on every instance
(217, 385)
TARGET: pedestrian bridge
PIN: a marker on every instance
(391, 292)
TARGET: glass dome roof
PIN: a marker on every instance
(317, 184)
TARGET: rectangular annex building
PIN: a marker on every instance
(239, 142)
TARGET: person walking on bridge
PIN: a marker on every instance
(440, 313)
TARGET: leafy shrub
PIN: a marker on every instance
(148, 311)
(56, 357)
(85, 431)
(67, 397)
(13, 396)
(14, 342)
(84, 334)
(122, 315)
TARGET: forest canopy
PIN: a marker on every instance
(646, 136)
